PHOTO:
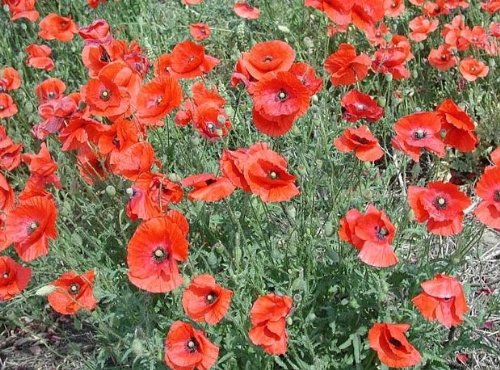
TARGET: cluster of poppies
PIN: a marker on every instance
(281, 89)
(106, 123)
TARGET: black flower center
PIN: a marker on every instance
(74, 289)
(496, 196)
(105, 95)
(446, 299)
(268, 58)
(211, 297)
(382, 232)
(273, 175)
(32, 227)
(440, 203)
(1, 107)
(51, 95)
(159, 254)
(191, 345)
(5, 275)
(395, 342)
(444, 57)
(419, 134)
(282, 95)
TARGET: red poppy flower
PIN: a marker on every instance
(133, 161)
(73, 292)
(456, 34)
(418, 131)
(279, 99)
(50, 89)
(152, 255)
(211, 121)
(116, 138)
(56, 27)
(91, 165)
(394, 8)
(307, 75)
(442, 58)
(439, 204)
(6, 195)
(200, 31)
(7, 106)
(96, 33)
(55, 113)
(30, 226)
(22, 9)
(345, 67)
(360, 141)
(245, 10)
(206, 301)
(76, 134)
(472, 69)
(392, 58)
(9, 79)
(208, 188)
(232, 165)
(392, 346)
(158, 98)
(376, 36)
(459, 127)
(268, 316)
(338, 11)
(186, 61)
(356, 106)
(488, 189)
(266, 174)
(266, 57)
(367, 13)
(372, 234)
(105, 98)
(188, 348)
(95, 3)
(443, 299)
(191, 2)
(39, 57)
(14, 278)
(42, 168)
(421, 27)
(152, 194)
(10, 153)
(491, 6)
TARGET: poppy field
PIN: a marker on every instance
(218, 184)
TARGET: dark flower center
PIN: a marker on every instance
(282, 95)
(473, 69)
(105, 57)
(273, 175)
(446, 299)
(395, 342)
(192, 345)
(211, 297)
(382, 232)
(51, 95)
(32, 227)
(1, 107)
(105, 95)
(444, 57)
(74, 289)
(496, 196)
(268, 59)
(378, 34)
(440, 203)
(2, 89)
(159, 254)
(158, 100)
(419, 134)
(210, 126)
(5, 275)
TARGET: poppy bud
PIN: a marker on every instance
(130, 192)
(289, 321)
(388, 77)
(195, 140)
(315, 98)
(291, 212)
(137, 347)
(284, 29)
(45, 290)
(301, 169)
(110, 190)
(382, 101)
(174, 177)
(328, 228)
